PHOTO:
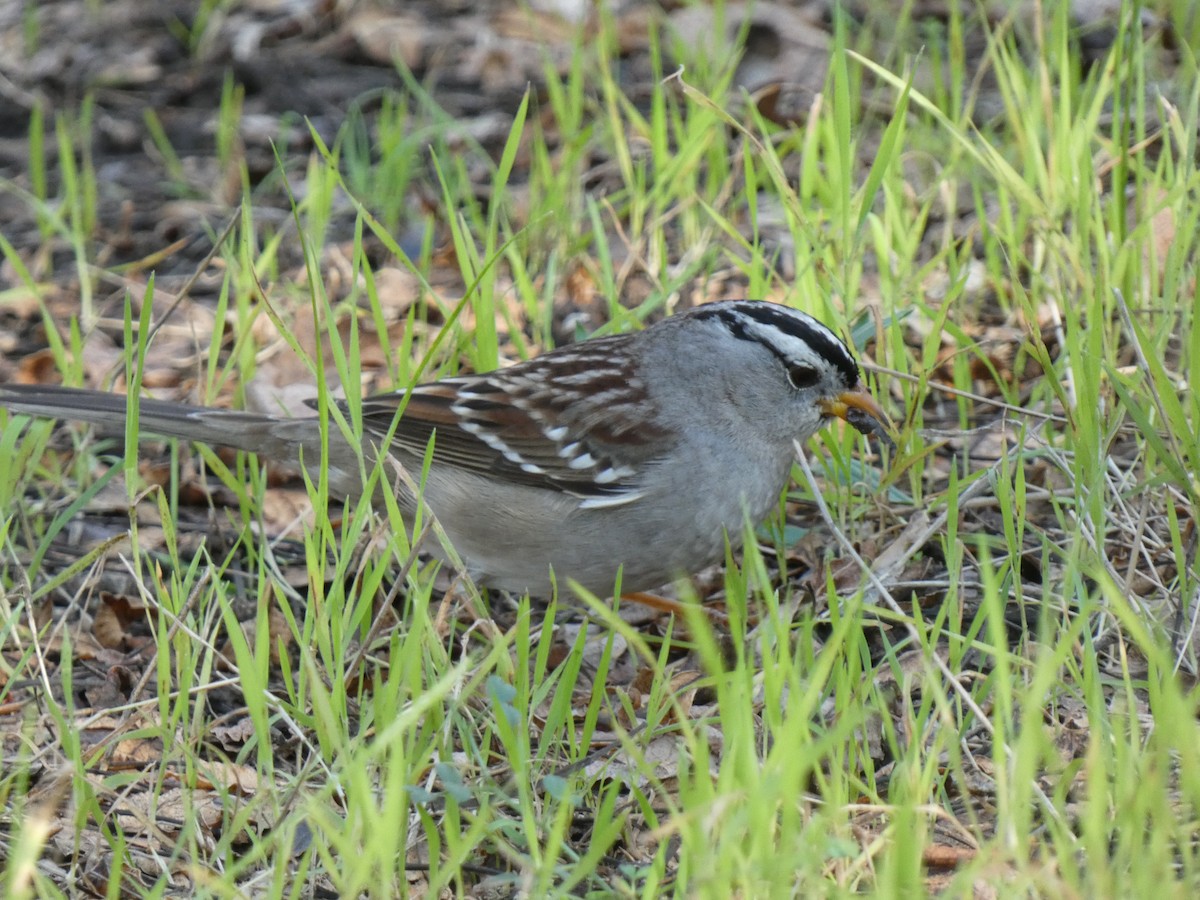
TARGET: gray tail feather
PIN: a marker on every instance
(272, 437)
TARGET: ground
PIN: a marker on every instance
(962, 663)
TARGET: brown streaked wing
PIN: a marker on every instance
(498, 423)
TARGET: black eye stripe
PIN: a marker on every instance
(788, 321)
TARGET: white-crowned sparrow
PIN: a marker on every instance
(638, 451)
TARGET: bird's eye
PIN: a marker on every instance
(802, 376)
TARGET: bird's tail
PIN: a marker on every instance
(272, 437)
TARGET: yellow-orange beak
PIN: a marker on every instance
(858, 408)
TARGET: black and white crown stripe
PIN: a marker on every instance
(788, 333)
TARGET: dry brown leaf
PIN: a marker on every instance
(285, 510)
(397, 289)
(389, 38)
(122, 623)
(233, 737)
(141, 811)
(135, 753)
(228, 778)
(37, 368)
